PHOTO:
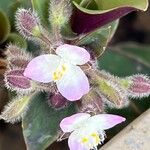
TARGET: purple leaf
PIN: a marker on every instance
(83, 22)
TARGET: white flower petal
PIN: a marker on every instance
(74, 84)
(73, 122)
(104, 121)
(42, 67)
(74, 54)
(75, 143)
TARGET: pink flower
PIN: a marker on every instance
(62, 68)
(88, 131)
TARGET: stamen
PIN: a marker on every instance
(84, 140)
(60, 71)
(91, 141)
(96, 137)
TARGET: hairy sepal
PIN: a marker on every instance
(138, 86)
(16, 109)
(16, 81)
(59, 12)
(91, 103)
(108, 86)
(28, 23)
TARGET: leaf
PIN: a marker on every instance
(41, 123)
(97, 41)
(126, 59)
(4, 4)
(87, 19)
(111, 4)
(4, 27)
(16, 39)
(14, 110)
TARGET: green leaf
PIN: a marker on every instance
(126, 59)
(41, 123)
(5, 4)
(4, 27)
(104, 6)
(11, 12)
(98, 40)
(42, 7)
(110, 4)
(16, 39)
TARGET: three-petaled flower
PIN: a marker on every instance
(63, 69)
(88, 131)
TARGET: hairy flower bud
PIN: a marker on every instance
(57, 101)
(139, 86)
(18, 63)
(91, 103)
(59, 15)
(15, 80)
(13, 51)
(17, 58)
(28, 23)
(60, 12)
(109, 87)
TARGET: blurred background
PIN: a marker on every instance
(128, 53)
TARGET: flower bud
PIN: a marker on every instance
(91, 103)
(13, 51)
(57, 101)
(17, 57)
(15, 80)
(28, 23)
(139, 86)
(109, 87)
(60, 12)
(18, 63)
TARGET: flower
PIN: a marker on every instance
(63, 69)
(88, 131)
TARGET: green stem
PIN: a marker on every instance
(33, 4)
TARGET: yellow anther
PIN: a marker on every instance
(84, 140)
(64, 68)
(59, 72)
(96, 137)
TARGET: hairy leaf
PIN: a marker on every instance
(41, 123)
